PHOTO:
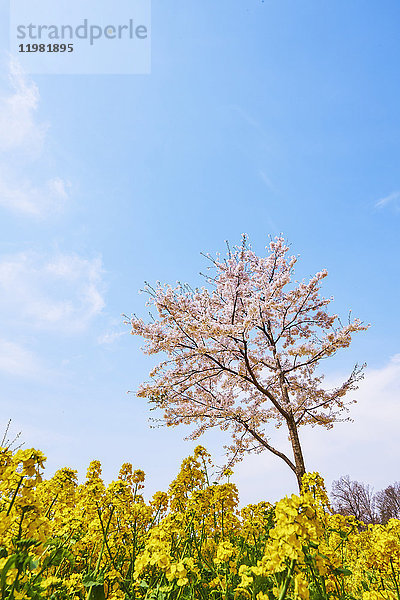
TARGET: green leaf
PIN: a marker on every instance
(342, 571)
(93, 580)
(8, 565)
(32, 564)
(98, 593)
(96, 583)
(365, 585)
(27, 543)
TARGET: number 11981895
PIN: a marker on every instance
(46, 48)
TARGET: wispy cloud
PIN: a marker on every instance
(19, 129)
(110, 337)
(367, 449)
(389, 199)
(62, 293)
(22, 144)
(245, 115)
(17, 360)
(266, 180)
(24, 197)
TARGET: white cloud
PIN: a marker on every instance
(110, 337)
(24, 197)
(245, 115)
(389, 199)
(62, 293)
(22, 142)
(17, 360)
(266, 180)
(366, 449)
(19, 129)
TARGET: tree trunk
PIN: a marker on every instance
(297, 451)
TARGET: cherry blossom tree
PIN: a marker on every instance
(242, 352)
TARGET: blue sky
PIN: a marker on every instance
(257, 117)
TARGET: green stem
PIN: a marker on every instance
(109, 551)
(309, 563)
(51, 506)
(101, 552)
(287, 580)
(15, 495)
(395, 580)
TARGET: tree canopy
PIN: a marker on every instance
(242, 352)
